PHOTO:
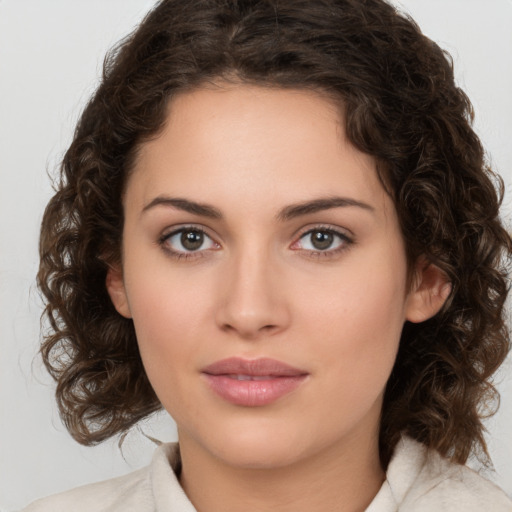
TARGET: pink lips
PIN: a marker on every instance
(252, 383)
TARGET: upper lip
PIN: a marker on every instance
(253, 367)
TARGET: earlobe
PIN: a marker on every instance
(115, 287)
(429, 292)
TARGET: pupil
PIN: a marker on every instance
(322, 240)
(192, 240)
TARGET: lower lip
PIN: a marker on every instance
(253, 393)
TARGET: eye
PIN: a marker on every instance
(188, 240)
(322, 240)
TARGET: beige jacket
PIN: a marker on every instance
(417, 480)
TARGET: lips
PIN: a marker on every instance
(252, 383)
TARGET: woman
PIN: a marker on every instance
(276, 222)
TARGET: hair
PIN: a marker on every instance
(400, 104)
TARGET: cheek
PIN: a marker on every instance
(168, 312)
(357, 319)
(160, 308)
(167, 318)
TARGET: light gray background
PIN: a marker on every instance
(50, 56)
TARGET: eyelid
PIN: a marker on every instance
(345, 234)
(338, 230)
(174, 230)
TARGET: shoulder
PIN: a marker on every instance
(101, 496)
(134, 492)
(435, 483)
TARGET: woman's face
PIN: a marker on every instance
(265, 272)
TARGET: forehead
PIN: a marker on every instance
(282, 143)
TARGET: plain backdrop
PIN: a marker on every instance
(51, 52)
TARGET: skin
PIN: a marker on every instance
(258, 287)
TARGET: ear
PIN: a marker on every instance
(116, 289)
(429, 291)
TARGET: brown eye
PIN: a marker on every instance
(192, 240)
(188, 240)
(322, 240)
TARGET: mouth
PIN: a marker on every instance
(252, 383)
(251, 377)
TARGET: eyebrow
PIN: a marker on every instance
(317, 205)
(287, 213)
(204, 210)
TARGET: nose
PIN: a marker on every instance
(252, 299)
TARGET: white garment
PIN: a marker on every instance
(417, 480)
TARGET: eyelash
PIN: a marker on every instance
(344, 243)
(178, 255)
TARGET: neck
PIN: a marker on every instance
(343, 478)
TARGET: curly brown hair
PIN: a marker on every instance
(400, 105)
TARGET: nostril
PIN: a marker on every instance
(248, 331)
(251, 304)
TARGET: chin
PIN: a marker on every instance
(255, 444)
(276, 447)
(255, 455)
